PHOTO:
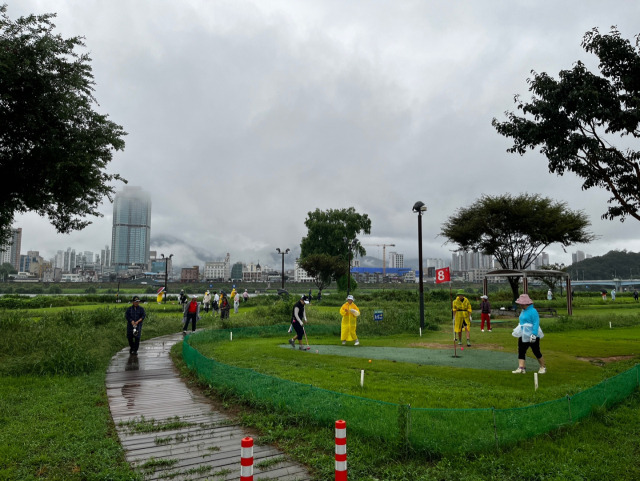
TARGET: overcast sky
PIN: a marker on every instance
(243, 116)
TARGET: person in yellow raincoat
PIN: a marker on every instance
(462, 316)
(349, 312)
(233, 293)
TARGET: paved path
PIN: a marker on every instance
(170, 432)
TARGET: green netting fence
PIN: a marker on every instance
(423, 429)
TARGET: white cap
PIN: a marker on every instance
(350, 297)
(484, 297)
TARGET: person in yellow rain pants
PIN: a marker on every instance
(462, 316)
(350, 313)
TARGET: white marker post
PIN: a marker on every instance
(420, 332)
(231, 335)
(609, 324)
(362, 378)
(535, 380)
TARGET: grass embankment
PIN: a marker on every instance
(54, 417)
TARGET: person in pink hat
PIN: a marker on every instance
(529, 334)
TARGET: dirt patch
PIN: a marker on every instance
(436, 345)
(601, 361)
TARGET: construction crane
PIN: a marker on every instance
(384, 255)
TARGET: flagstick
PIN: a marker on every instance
(453, 321)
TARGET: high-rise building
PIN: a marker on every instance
(131, 234)
(396, 260)
(578, 256)
(11, 251)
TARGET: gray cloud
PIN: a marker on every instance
(244, 116)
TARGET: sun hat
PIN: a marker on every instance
(524, 300)
(135, 299)
(350, 297)
(484, 297)
(194, 296)
(460, 292)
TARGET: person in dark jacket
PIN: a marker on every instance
(485, 313)
(298, 318)
(134, 316)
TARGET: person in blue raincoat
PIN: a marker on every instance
(528, 333)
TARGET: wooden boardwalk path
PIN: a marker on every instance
(170, 432)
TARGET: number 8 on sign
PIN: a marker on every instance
(442, 275)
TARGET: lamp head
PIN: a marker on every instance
(419, 207)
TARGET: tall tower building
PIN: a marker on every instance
(10, 253)
(131, 234)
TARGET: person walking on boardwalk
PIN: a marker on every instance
(298, 318)
(485, 313)
(191, 314)
(134, 316)
(462, 316)
(350, 313)
(529, 334)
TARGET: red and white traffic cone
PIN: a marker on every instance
(341, 450)
(246, 460)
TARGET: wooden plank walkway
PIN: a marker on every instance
(169, 431)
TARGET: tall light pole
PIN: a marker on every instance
(419, 208)
(282, 253)
(166, 275)
(350, 245)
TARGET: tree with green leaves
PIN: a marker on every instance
(5, 270)
(53, 145)
(577, 120)
(552, 281)
(329, 234)
(322, 267)
(515, 229)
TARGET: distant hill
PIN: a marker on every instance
(614, 264)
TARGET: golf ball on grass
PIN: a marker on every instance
(461, 348)
(369, 360)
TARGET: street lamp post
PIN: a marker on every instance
(282, 253)
(350, 245)
(419, 208)
(166, 275)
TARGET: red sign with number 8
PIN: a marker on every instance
(442, 275)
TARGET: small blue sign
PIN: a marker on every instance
(377, 315)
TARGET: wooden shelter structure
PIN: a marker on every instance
(526, 274)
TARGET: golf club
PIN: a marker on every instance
(305, 338)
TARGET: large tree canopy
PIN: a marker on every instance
(576, 120)
(327, 231)
(515, 229)
(54, 148)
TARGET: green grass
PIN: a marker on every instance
(55, 422)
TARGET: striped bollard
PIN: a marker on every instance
(246, 460)
(341, 450)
